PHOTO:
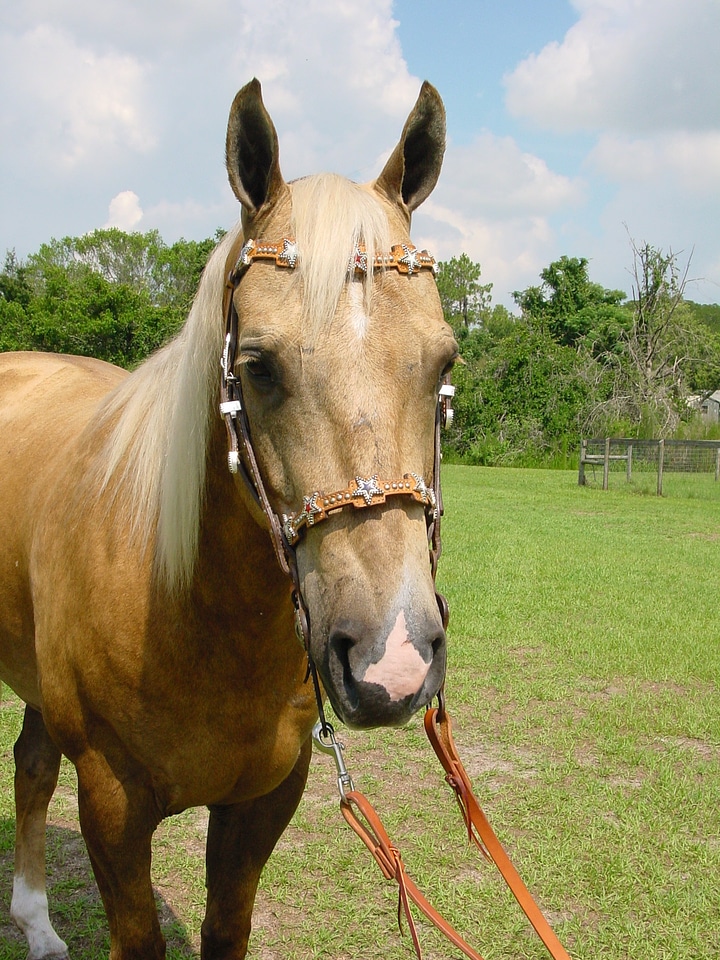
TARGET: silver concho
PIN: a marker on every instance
(367, 488)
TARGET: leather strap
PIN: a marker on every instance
(439, 731)
(403, 257)
(388, 858)
(437, 722)
(371, 831)
(363, 492)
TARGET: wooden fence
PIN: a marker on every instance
(661, 455)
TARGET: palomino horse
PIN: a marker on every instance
(144, 617)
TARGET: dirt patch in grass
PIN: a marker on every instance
(700, 748)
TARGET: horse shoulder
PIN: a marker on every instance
(46, 401)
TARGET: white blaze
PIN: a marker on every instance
(358, 317)
(401, 670)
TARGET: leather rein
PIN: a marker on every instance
(317, 506)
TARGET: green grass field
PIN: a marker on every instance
(583, 681)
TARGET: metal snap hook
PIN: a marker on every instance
(329, 744)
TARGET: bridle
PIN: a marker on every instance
(361, 492)
(317, 506)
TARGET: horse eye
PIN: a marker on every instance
(447, 369)
(258, 370)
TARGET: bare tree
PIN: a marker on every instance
(648, 383)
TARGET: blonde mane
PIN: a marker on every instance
(153, 464)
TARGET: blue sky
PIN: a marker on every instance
(466, 48)
(573, 126)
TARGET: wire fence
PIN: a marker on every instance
(603, 457)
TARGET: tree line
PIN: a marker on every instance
(111, 295)
(575, 359)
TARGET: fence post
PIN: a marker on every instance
(581, 468)
(606, 463)
(629, 462)
(661, 458)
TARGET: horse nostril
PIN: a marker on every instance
(340, 644)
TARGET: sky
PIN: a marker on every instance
(574, 128)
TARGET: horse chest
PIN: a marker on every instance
(228, 761)
(204, 719)
(221, 735)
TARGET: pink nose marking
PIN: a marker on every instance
(401, 670)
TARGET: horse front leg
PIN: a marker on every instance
(118, 816)
(37, 762)
(240, 839)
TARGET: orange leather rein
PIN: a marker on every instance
(365, 821)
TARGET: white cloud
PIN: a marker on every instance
(130, 24)
(190, 218)
(70, 105)
(98, 96)
(125, 211)
(511, 250)
(666, 189)
(633, 66)
(324, 58)
(96, 93)
(500, 205)
(493, 176)
(642, 76)
(690, 160)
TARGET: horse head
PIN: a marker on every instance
(341, 351)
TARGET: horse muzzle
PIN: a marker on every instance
(383, 679)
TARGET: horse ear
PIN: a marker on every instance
(251, 151)
(412, 171)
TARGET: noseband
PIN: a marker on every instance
(361, 492)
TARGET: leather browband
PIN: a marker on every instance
(403, 257)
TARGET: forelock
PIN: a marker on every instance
(330, 217)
